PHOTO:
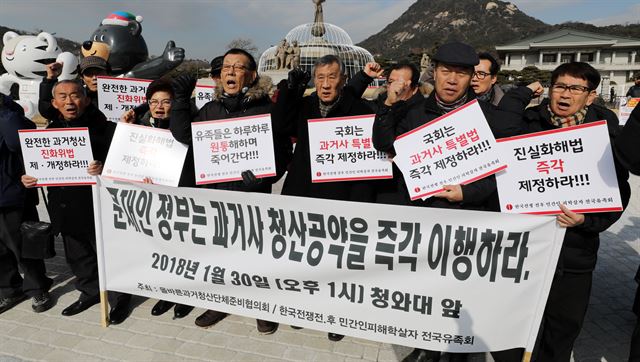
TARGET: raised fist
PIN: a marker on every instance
(298, 78)
(183, 86)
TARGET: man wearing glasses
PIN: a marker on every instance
(570, 103)
(240, 92)
(484, 79)
(453, 72)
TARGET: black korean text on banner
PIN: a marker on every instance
(204, 94)
(457, 148)
(335, 266)
(138, 152)
(57, 157)
(118, 95)
(225, 148)
(571, 166)
(341, 150)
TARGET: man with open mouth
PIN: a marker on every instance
(239, 93)
(71, 207)
(570, 103)
(90, 69)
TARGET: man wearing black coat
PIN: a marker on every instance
(71, 207)
(331, 99)
(570, 103)
(90, 68)
(15, 207)
(627, 150)
(453, 72)
(403, 82)
(634, 90)
(454, 63)
(241, 93)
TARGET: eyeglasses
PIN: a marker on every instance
(237, 67)
(576, 90)
(156, 102)
(481, 75)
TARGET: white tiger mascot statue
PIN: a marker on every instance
(25, 58)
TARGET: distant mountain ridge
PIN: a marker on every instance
(481, 23)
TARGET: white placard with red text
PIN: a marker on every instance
(626, 107)
(137, 152)
(573, 166)
(457, 148)
(204, 94)
(341, 150)
(118, 95)
(223, 149)
(57, 157)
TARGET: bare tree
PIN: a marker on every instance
(245, 44)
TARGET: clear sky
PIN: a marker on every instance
(204, 27)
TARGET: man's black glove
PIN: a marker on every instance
(183, 86)
(250, 181)
(298, 78)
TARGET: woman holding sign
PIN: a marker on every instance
(159, 97)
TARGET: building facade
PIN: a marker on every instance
(616, 58)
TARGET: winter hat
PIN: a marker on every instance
(93, 62)
(121, 18)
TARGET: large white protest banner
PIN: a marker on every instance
(457, 148)
(137, 152)
(118, 95)
(341, 150)
(225, 148)
(57, 157)
(204, 94)
(455, 280)
(573, 166)
(625, 109)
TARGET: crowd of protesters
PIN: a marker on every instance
(460, 75)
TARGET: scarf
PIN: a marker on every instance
(232, 103)
(487, 96)
(326, 108)
(448, 107)
(572, 120)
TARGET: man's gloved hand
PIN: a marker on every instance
(298, 78)
(250, 181)
(183, 86)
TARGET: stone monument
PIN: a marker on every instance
(318, 29)
(304, 44)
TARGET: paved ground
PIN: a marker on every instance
(25, 335)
